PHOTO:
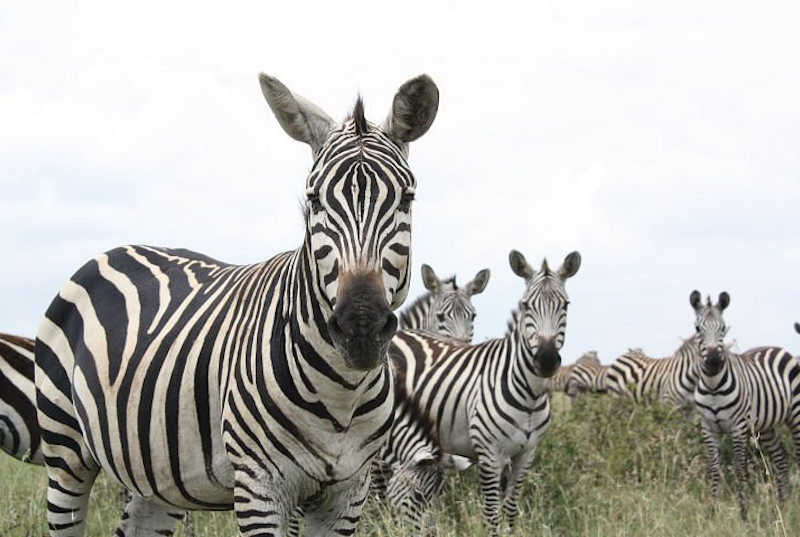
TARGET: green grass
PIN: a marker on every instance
(606, 467)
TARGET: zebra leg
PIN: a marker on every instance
(338, 511)
(772, 446)
(519, 471)
(143, 518)
(739, 438)
(490, 473)
(711, 442)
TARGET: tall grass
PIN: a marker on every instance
(606, 467)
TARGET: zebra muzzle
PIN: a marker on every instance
(362, 325)
(547, 360)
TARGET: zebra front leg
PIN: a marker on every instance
(776, 452)
(739, 439)
(338, 510)
(519, 471)
(142, 518)
(490, 472)
(711, 442)
(259, 511)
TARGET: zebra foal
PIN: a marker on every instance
(745, 395)
(488, 402)
(262, 388)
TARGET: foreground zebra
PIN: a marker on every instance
(746, 396)
(588, 375)
(561, 380)
(446, 309)
(669, 380)
(489, 401)
(19, 431)
(263, 388)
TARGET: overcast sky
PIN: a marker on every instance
(662, 141)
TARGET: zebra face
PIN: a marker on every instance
(542, 318)
(710, 330)
(358, 213)
(452, 311)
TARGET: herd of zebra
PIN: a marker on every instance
(289, 391)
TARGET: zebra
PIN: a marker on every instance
(744, 395)
(669, 380)
(560, 381)
(19, 431)
(446, 308)
(489, 401)
(588, 375)
(262, 388)
(409, 469)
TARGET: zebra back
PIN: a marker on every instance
(562, 378)
(587, 376)
(20, 436)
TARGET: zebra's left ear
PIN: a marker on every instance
(478, 283)
(571, 265)
(413, 110)
(797, 327)
(430, 280)
(724, 300)
(301, 119)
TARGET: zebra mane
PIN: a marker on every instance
(360, 122)
(421, 302)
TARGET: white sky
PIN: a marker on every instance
(660, 139)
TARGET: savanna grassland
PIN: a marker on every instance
(606, 467)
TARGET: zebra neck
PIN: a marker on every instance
(519, 384)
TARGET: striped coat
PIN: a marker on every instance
(199, 384)
(19, 430)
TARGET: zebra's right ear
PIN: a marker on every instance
(430, 279)
(724, 300)
(797, 327)
(413, 110)
(478, 283)
(301, 119)
(519, 265)
(696, 300)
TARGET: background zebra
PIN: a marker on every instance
(746, 396)
(669, 380)
(559, 381)
(588, 375)
(446, 309)
(489, 401)
(264, 387)
(19, 431)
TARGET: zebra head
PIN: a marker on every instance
(542, 316)
(711, 330)
(358, 212)
(451, 311)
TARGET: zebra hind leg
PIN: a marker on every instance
(142, 517)
(774, 449)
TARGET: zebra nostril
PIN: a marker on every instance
(389, 328)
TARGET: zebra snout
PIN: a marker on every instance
(362, 325)
(546, 360)
(714, 358)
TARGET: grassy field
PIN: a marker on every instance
(606, 467)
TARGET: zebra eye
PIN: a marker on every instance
(316, 205)
(405, 201)
(440, 317)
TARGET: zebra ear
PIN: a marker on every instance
(430, 279)
(696, 300)
(519, 265)
(724, 300)
(571, 265)
(301, 119)
(413, 110)
(797, 327)
(478, 283)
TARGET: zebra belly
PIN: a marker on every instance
(154, 447)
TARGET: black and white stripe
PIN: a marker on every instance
(264, 388)
(445, 309)
(489, 401)
(561, 380)
(588, 376)
(747, 396)
(669, 380)
(19, 430)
